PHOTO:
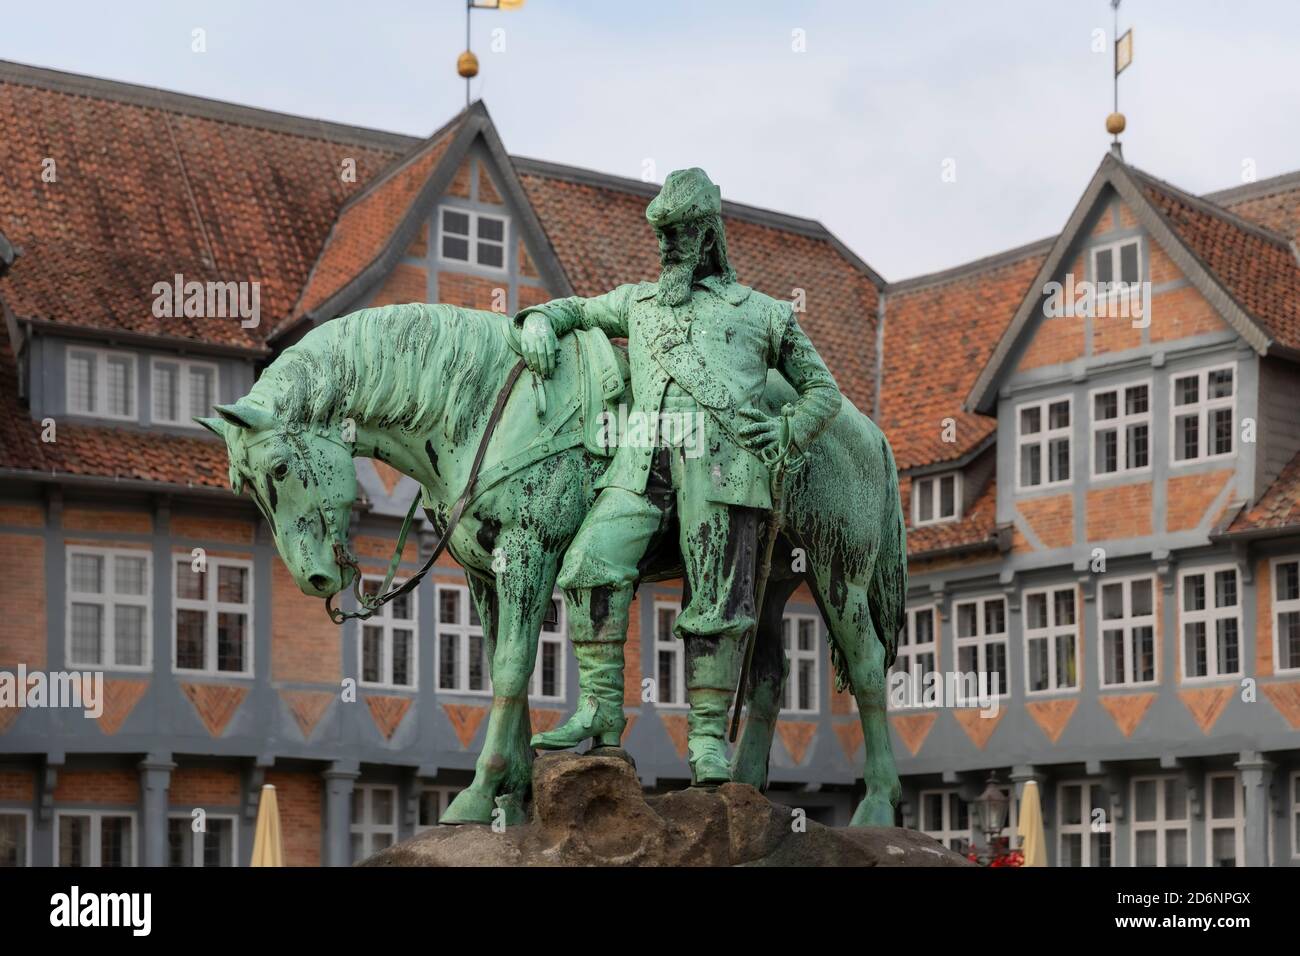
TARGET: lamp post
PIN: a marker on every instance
(990, 810)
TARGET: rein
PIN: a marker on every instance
(371, 603)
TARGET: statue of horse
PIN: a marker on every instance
(414, 386)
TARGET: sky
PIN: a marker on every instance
(924, 134)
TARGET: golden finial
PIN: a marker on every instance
(1115, 124)
(467, 64)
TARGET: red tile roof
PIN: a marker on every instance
(599, 232)
(143, 192)
(1277, 508)
(366, 224)
(938, 336)
(977, 527)
(1255, 265)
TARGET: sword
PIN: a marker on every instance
(778, 462)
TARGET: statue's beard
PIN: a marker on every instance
(675, 282)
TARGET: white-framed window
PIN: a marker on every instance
(1295, 815)
(374, 819)
(1286, 614)
(433, 803)
(547, 682)
(1225, 819)
(1203, 406)
(462, 653)
(1083, 824)
(1210, 622)
(917, 649)
(1160, 821)
(981, 641)
(15, 837)
(213, 609)
(1117, 261)
(108, 608)
(94, 838)
(936, 498)
(473, 237)
(101, 383)
(1051, 640)
(1043, 442)
(388, 645)
(946, 817)
(182, 389)
(215, 844)
(670, 661)
(1127, 624)
(802, 649)
(1121, 430)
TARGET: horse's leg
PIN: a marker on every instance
(523, 596)
(767, 674)
(845, 607)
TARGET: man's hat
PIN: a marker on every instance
(687, 194)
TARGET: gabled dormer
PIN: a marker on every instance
(1133, 388)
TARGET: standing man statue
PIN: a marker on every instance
(699, 346)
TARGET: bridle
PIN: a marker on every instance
(370, 604)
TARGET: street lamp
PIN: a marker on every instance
(990, 810)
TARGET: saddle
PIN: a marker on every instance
(603, 376)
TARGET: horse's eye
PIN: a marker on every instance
(280, 471)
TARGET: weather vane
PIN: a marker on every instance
(467, 62)
(1122, 51)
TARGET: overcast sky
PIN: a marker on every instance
(853, 131)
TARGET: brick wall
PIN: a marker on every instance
(305, 644)
(17, 786)
(22, 594)
(212, 529)
(1121, 511)
(128, 522)
(22, 516)
(97, 786)
(299, 796)
(202, 787)
(1182, 313)
(1263, 618)
(1057, 341)
(406, 283)
(470, 292)
(1188, 496)
(1052, 519)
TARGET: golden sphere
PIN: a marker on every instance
(1115, 124)
(467, 64)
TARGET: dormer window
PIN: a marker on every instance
(101, 383)
(182, 390)
(1117, 262)
(936, 498)
(472, 237)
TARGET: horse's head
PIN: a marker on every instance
(303, 481)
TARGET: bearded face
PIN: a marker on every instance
(680, 253)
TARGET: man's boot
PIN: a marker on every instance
(598, 646)
(711, 682)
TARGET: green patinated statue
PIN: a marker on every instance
(518, 478)
(700, 345)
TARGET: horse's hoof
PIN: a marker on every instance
(469, 806)
(873, 812)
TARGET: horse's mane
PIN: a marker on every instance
(411, 366)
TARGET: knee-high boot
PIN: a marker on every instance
(598, 627)
(711, 680)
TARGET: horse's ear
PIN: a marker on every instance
(244, 414)
(217, 426)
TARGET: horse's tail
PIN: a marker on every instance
(887, 589)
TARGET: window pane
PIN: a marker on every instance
(191, 585)
(13, 840)
(449, 607)
(232, 584)
(491, 255)
(925, 500)
(1226, 646)
(402, 608)
(166, 392)
(1219, 383)
(1031, 420)
(947, 497)
(1187, 437)
(381, 807)
(1221, 431)
(1038, 664)
(807, 634)
(219, 843)
(115, 841)
(1225, 588)
(448, 665)
(1031, 465)
(81, 378)
(477, 673)
(1146, 848)
(1186, 390)
(232, 638)
(1223, 800)
(180, 842)
(1066, 671)
(1138, 450)
(403, 646)
(1058, 415)
(967, 619)
(1106, 451)
(1072, 805)
(118, 379)
(1064, 607)
(87, 634)
(1059, 450)
(1105, 405)
(1144, 643)
(1036, 611)
(128, 575)
(1194, 649)
(1112, 602)
(550, 669)
(1103, 265)
(1288, 581)
(490, 228)
(1128, 262)
(453, 248)
(372, 648)
(1175, 799)
(74, 841)
(1136, 399)
(925, 627)
(1144, 809)
(1113, 656)
(128, 635)
(1194, 592)
(200, 391)
(191, 627)
(1140, 597)
(1176, 848)
(454, 222)
(87, 574)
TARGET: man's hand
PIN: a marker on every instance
(538, 345)
(762, 435)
